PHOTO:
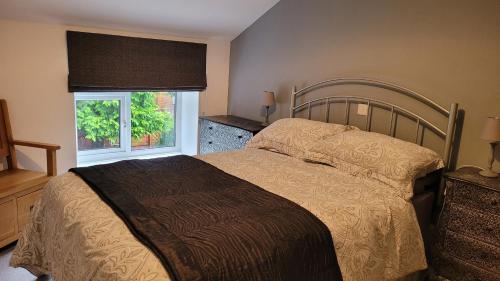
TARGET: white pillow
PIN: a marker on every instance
(293, 136)
(393, 161)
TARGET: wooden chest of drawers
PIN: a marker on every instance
(468, 247)
(15, 212)
(17, 200)
(225, 132)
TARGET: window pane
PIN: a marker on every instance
(98, 124)
(153, 119)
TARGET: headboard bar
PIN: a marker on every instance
(372, 83)
(368, 121)
(450, 132)
(292, 100)
(347, 111)
(327, 113)
(421, 123)
(392, 129)
(348, 100)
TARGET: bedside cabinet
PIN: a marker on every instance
(468, 246)
(225, 132)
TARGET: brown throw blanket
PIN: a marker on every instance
(204, 224)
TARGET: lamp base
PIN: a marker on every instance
(488, 174)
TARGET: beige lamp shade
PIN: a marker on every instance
(491, 131)
(268, 98)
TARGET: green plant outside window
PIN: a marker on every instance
(98, 121)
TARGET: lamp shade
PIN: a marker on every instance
(268, 98)
(491, 131)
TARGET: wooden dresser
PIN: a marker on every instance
(225, 132)
(468, 247)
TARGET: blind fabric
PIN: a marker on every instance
(100, 62)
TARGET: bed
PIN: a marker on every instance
(377, 230)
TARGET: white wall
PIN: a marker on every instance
(33, 80)
(189, 123)
(218, 78)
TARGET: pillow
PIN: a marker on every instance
(392, 161)
(293, 136)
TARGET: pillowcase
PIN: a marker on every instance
(293, 136)
(392, 161)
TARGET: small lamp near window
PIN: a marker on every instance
(491, 133)
(267, 102)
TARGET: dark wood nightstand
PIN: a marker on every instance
(225, 132)
(468, 246)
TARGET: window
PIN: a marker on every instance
(127, 124)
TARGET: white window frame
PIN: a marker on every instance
(125, 150)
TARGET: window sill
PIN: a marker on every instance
(107, 161)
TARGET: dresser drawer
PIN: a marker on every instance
(216, 130)
(8, 225)
(211, 146)
(480, 254)
(24, 206)
(477, 197)
(219, 145)
(483, 226)
(215, 137)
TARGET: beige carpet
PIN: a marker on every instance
(8, 273)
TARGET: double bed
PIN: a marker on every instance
(378, 231)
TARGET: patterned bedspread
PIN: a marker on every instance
(76, 236)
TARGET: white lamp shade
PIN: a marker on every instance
(491, 131)
(268, 98)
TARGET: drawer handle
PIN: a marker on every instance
(494, 202)
(31, 208)
(240, 137)
(209, 142)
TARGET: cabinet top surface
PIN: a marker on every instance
(471, 174)
(13, 181)
(235, 121)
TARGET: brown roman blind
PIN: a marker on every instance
(100, 62)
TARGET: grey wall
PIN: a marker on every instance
(448, 50)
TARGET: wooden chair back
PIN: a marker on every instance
(19, 188)
(6, 148)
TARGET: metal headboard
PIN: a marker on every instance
(395, 110)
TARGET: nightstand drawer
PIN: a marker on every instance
(480, 254)
(473, 196)
(482, 226)
(456, 269)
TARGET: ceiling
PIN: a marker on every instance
(191, 18)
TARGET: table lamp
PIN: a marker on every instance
(267, 101)
(491, 133)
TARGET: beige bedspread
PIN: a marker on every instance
(76, 236)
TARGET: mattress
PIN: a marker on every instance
(76, 236)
